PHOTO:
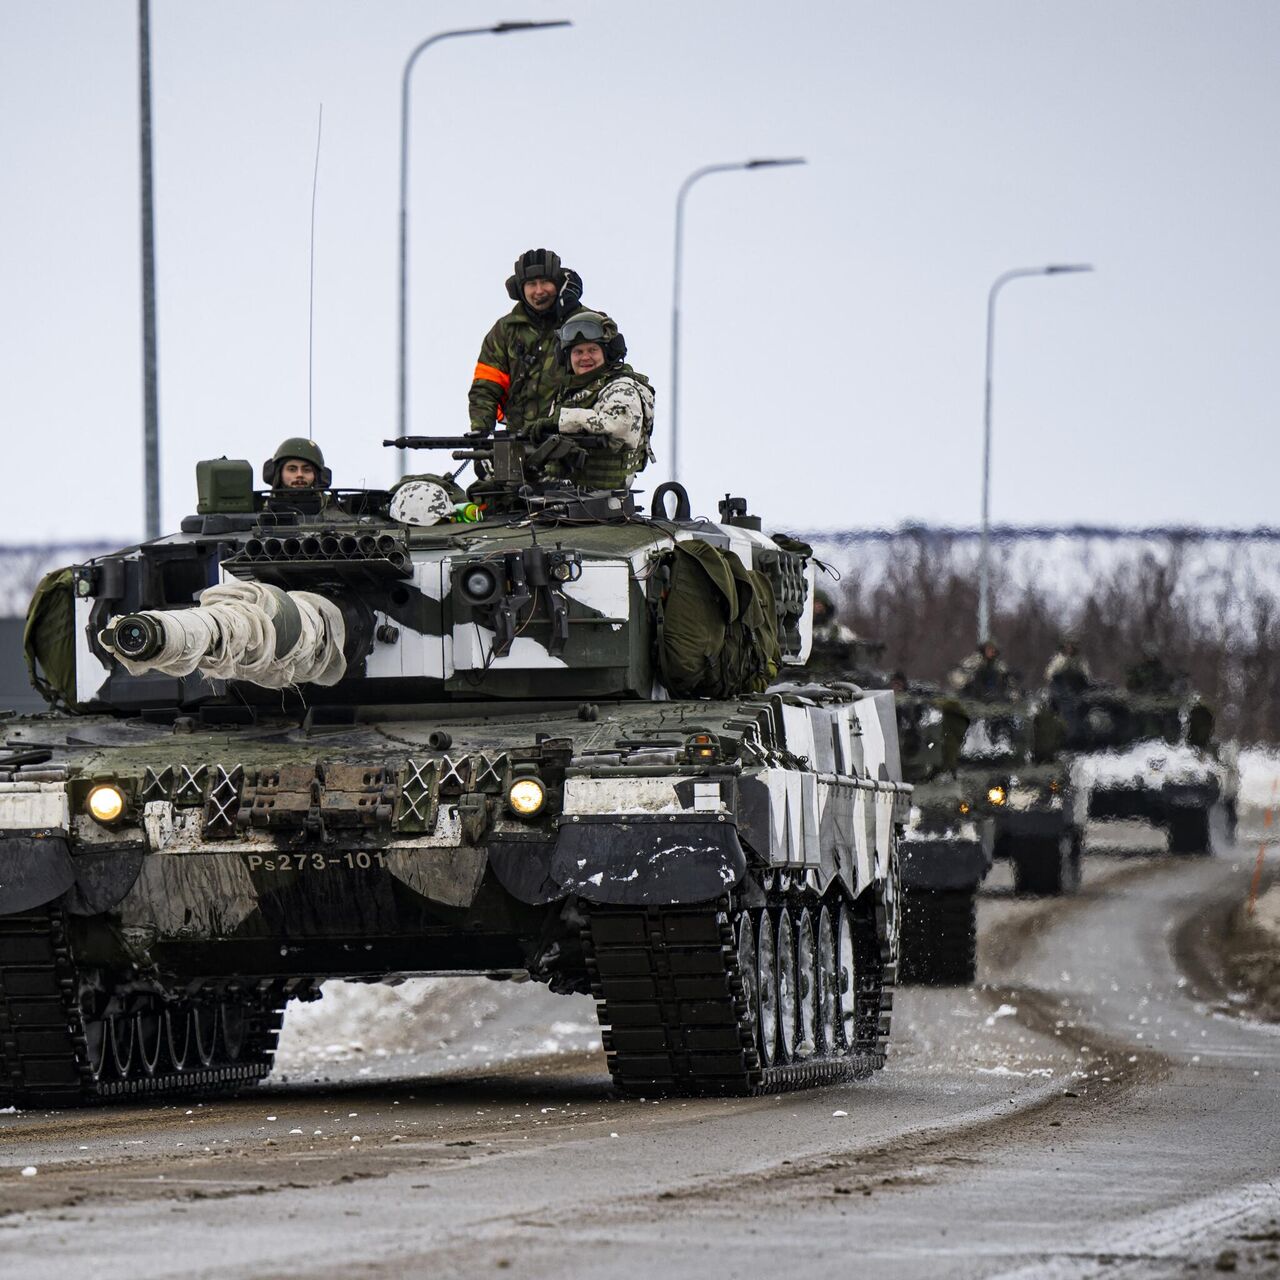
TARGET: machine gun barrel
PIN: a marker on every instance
(472, 440)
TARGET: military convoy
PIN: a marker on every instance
(360, 734)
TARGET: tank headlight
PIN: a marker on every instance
(996, 795)
(964, 808)
(105, 803)
(479, 585)
(526, 797)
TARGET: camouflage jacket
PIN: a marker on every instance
(614, 404)
(518, 374)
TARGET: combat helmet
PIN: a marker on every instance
(534, 264)
(591, 326)
(305, 450)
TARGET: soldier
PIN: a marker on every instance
(1150, 674)
(297, 464)
(983, 675)
(604, 404)
(1068, 670)
(519, 373)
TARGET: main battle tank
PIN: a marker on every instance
(353, 735)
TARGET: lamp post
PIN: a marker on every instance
(772, 163)
(498, 29)
(984, 554)
(150, 396)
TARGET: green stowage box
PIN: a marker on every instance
(224, 485)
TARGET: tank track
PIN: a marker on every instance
(676, 1017)
(46, 1058)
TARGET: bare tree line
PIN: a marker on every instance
(1217, 623)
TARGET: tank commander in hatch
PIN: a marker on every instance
(597, 432)
(983, 675)
(297, 464)
(519, 373)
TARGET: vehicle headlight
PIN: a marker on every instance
(964, 808)
(480, 584)
(105, 803)
(996, 795)
(526, 796)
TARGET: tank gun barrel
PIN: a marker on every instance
(248, 631)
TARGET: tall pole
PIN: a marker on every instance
(984, 552)
(150, 396)
(498, 29)
(675, 296)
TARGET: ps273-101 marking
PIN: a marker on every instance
(358, 861)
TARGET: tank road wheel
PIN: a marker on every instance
(178, 1036)
(747, 972)
(1189, 831)
(149, 1030)
(807, 986)
(767, 989)
(204, 1031)
(828, 986)
(788, 1011)
(96, 1037)
(235, 1025)
(121, 1040)
(846, 981)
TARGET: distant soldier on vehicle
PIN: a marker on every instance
(1151, 675)
(983, 675)
(1068, 669)
(838, 652)
(597, 432)
(297, 464)
(518, 373)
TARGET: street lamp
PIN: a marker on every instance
(498, 29)
(675, 303)
(984, 555)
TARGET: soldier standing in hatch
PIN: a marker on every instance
(519, 373)
(297, 464)
(983, 675)
(604, 403)
(1068, 669)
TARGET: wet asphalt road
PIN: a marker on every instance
(1098, 1107)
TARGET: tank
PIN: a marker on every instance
(1148, 756)
(948, 842)
(362, 735)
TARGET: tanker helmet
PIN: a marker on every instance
(590, 326)
(534, 264)
(305, 451)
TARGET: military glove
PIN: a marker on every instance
(570, 295)
(541, 429)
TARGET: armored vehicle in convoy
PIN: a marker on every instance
(947, 846)
(356, 734)
(987, 784)
(1147, 756)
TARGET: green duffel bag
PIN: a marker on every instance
(752, 654)
(698, 603)
(49, 640)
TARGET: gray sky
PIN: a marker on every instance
(833, 315)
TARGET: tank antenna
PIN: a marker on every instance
(311, 284)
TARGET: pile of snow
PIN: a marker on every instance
(426, 1025)
(1148, 765)
(1258, 802)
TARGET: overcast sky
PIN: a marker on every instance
(834, 316)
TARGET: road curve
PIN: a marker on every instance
(1097, 1107)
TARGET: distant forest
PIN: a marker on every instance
(1214, 617)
